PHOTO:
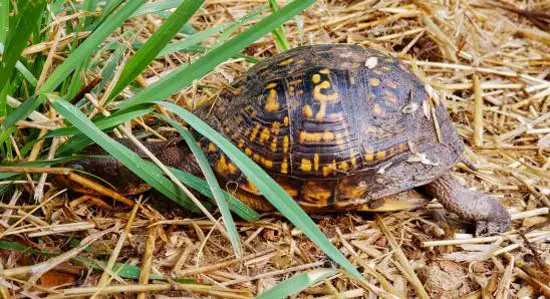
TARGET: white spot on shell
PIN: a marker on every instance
(371, 62)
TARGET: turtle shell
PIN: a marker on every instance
(335, 126)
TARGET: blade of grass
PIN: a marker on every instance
(191, 40)
(16, 41)
(276, 195)
(297, 283)
(103, 124)
(157, 6)
(156, 43)
(279, 32)
(84, 51)
(149, 173)
(183, 76)
(4, 20)
(212, 182)
(122, 270)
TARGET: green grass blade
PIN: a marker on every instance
(200, 185)
(21, 112)
(279, 32)
(152, 175)
(297, 283)
(191, 40)
(184, 76)
(122, 270)
(103, 124)
(212, 182)
(276, 195)
(16, 41)
(156, 43)
(157, 6)
(4, 20)
(83, 52)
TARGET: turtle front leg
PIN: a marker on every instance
(489, 215)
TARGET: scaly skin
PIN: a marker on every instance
(489, 215)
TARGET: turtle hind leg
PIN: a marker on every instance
(489, 215)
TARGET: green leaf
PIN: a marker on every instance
(103, 124)
(183, 76)
(152, 175)
(212, 182)
(191, 40)
(83, 52)
(156, 43)
(279, 32)
(297, 283)
(276, 195)
(4, 20)
(21, 112)
(16, 41)
(122, 270)
(157, 6)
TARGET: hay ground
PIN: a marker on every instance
(490, 63)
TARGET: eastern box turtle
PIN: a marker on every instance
(338, 127)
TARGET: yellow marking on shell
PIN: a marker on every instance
(328, 136)
(224, 167)
(295, 82)
(328, 168)
(310, 137)
(256, 158)
(254, 132)
(271, 85)
(305, 165)
(403, 147)
(377, 109)
(248, 151)
(381, 155)
(390, 60)
(316, 78)
(286, 143)
(344, 166)
(212, 147)
(374, 82)
(369, 155)
(286, 121)
(325, 71)
(323, 98)
(307, 111)
(252, 187)
(275, 127)
(264, 135)
(268, 163)
(284, 166)
(273, 144)
(291, 191)
(316, 193)
(316, 162)
(241, 143)
(272, 102)
(339, 139)
(286, 62)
